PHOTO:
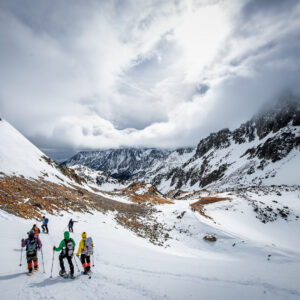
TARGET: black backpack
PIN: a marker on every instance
(69, 248)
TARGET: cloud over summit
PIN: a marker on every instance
(100, 74)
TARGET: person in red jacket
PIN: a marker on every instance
(32, 244)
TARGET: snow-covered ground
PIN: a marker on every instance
(239, 265)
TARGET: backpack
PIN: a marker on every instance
(46, 221)
(68, 248)
(88, 246)
(31, 246)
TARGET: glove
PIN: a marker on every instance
(77, 255)
(54, 248)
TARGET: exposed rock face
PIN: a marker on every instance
(215, 140)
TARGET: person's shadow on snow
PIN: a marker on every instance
(49, 281)
(11, 276)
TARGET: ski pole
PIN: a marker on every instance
(52, 264)
(21, 256)
(93, 260)
(77, 265)
(43, 260)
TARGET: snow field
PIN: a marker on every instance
(129, 267)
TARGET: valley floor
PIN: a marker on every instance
(129, 267)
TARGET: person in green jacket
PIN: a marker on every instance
(66, 246)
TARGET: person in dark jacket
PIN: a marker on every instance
(32, 244)
(70, 225)
(45, 224)
(66, 246)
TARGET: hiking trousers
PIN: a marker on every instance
(69, 259)
(45, 228)
(32, 260)
(86, 262)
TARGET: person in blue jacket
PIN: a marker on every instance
(45, 224)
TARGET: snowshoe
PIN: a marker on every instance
(89, 273)
(71, 276)
(29, 273)
(62, 273)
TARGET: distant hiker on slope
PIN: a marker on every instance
(45, 224)
(36, 230)
(70, 225)
(32, 244)
(86, 249)
(67, 246)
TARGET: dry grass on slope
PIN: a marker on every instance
(200, 204)
(145, 193)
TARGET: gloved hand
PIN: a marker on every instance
(77, 255)
(54, 247)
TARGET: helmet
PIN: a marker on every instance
(83, 235)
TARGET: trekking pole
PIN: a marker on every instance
(52, 264)
(77, 265)
(43, 260)
(93, 260)
(21, 256)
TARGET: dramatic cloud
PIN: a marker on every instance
(93, 74)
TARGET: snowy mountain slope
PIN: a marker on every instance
(240, 264)
(120, 163)
(19, 157)
(264, 150)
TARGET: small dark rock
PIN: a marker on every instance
(210, 238)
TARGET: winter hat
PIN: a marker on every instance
(31, 235)
(83, 235)
(67, 235)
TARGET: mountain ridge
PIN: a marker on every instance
(254, 153)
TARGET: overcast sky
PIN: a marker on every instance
(96, 74)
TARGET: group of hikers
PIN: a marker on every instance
(66, 248)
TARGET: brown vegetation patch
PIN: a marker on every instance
(150, 194)
(199, 205)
